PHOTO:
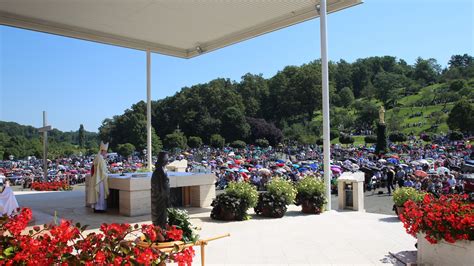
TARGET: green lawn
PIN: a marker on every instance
(405, 113)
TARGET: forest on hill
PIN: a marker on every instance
(22, 141)
(420, 98)
(287, 107)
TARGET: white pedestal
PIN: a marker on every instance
(354, 181)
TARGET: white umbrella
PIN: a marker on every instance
(382, 161)
(442, 170)
(264, 171)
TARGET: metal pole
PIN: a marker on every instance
(45, 149)
(325, 88)
(148, 109)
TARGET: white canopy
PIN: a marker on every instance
(182, 28)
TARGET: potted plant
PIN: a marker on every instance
(443, 227)
(404, 194)
(310, 195)
(273, 202)
(234, 203)
(180, 219)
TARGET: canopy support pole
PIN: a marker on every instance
(325, 88)
(148, 110)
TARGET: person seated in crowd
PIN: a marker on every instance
(408, 183)
(418, 184)
(452, 180)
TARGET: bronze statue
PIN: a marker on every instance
(160, 192)
(382, 115)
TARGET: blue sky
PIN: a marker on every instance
(79, 82)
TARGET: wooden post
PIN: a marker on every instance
(203, 253)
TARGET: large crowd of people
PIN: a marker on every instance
(439, 166)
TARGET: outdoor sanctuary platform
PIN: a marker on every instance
(131, 192)
(332, 238)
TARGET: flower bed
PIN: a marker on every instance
(50, 186)
(65, 244)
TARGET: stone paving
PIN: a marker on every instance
(332, 238)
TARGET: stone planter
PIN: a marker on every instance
(444, 253)
(267, 211)
(307, 207)
(400, 210)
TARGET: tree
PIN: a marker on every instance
(456, 135)
(367, 113)
(343, 75)
(234, 125)
(395, 120)
(254, 89)
(461, 117)
(194, 142)
(370, 139)
(125, 149)
(346, 97)
(346, 139)
(426, 72)
(175, 140)
(397, 137)
(239, 144)
(217, 141)
(437, 117)
(388, 86)
(261, 129)
(262, 143)
(156, 144)
(82, 137)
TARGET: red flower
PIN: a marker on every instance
(146, 257)
(448, 218)
(99, 257)
(175, 234)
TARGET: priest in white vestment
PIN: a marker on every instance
(8, 203)
(98, 189)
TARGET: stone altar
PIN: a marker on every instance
(134, 190)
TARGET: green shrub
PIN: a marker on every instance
(283, 189)
(244, 191)
(194, 142)
(370, 139)
(403, 194)
(455, 135)
(227, 207)
(175, 140)
(272, 203)
(239, 144)
(346, 139)
(310, 189)
(426, 137)
(217, 141)
(262, 143)
(125, 149)
(333, 134)
(180, 219)
(397, 137)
